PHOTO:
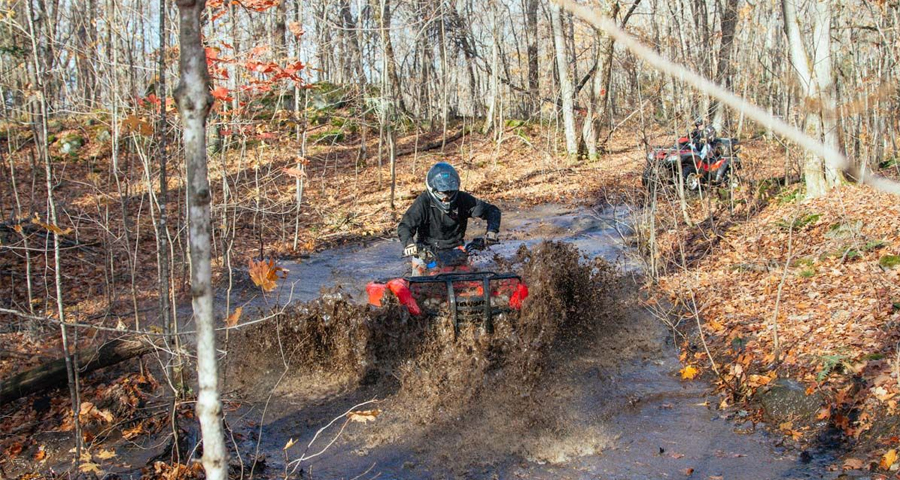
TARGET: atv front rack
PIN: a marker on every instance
(469, 294)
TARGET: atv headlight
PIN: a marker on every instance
(672, 158)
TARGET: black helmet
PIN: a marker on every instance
(710, 133)
(442, 183)
(698, 121)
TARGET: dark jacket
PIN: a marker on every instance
(442, 230)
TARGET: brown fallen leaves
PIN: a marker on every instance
(837, 313)
(265, 274)
(173, 471)
(232, 319)
(49, 227)
(90, 467)
(888, 459)
(363, 416)
(689, 372)
(89, 411)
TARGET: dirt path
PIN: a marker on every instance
(608, 404)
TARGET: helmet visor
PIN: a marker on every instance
(445, 196)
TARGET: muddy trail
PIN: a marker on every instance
(583, 384)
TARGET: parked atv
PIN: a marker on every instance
(452, 286)
(662, 164)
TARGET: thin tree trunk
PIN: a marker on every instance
(825, 79)
(194, 102)
(600, 88)
(566, 90)
(41, 110)
(723, 70)
(495, 72)
(162, 226)
(813, 166)
(383, 19)
(531, 27)
(279, 45)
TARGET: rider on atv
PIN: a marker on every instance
(438, 218)
(703, 139)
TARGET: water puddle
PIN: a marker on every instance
(594, 233)
(610, 403)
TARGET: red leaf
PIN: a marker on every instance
(221, 93)
(258, 50)
(294, 172)
(218, 15)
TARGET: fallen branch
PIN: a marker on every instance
(433, 145)
(53, 374)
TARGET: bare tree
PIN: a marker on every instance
(566, 90)
(813, 166)
(531, 29)
(194, 101)
(726, 47)
(41, 130)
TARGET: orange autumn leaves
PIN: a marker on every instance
(265, 274)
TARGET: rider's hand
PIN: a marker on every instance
(491, 238)
(411, 250)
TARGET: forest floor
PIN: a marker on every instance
(819, 275)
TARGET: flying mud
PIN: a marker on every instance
(473, 396)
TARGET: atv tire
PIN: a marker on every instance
(692, 178)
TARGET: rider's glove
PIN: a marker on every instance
(411, 250)
(490, 238)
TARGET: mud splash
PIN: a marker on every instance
(584, 384)
(431, 379)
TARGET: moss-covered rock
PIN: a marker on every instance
(787, 401)
(889, 261)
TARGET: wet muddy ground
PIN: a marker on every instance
(596, 395)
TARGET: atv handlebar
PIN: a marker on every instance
(425, 252)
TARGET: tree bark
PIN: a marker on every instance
(599, 88)
(194, 102)
(566, 89)
(280, 46)
(825, 80)
(813, 166)
(41, 141)
(531, 27)
(723, 68)
(383, 19)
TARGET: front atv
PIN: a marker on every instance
(452, 287)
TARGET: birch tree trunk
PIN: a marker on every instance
(826, 84)
(813, 166)
(194, 102)
(566, 90)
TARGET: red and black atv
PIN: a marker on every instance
(452, 286)
(718, 167)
